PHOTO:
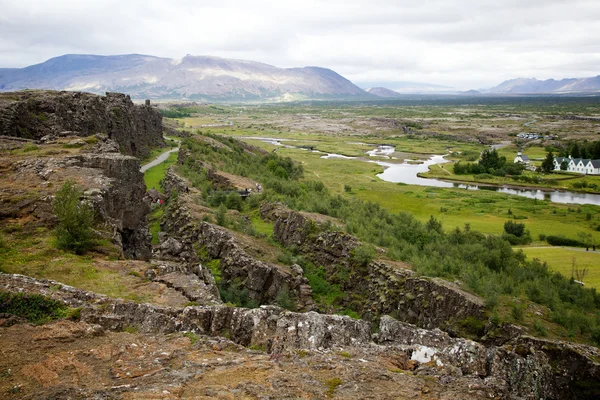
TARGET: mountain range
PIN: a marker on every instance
(536, 86)
(220, 79)
(191, 77)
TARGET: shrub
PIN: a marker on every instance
(563, 241)
(33, 307)
(285, 300)
(75, 219)
(362, 255)
(221, 215)
(514, 228)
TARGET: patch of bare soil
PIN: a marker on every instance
(74, 360)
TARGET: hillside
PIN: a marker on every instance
(383, 92)
(191, 77)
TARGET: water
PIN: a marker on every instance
(407, 172)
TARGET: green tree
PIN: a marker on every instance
(490, 159)
(75, 219)
(564, 165)
(548, 163)
(434, 225)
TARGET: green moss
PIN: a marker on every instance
(130, 329)
(215, 269)
(192, 336)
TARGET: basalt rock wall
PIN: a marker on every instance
(426, 302)
(38, 114)
(525, 368)
(263, 280)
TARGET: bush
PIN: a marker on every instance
(285, 300)
(514, 228)
(363, 255)
(517, 240)
(75, 219)
(33, 307)
(563, 241)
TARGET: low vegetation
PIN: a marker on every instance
(33, 307)
(486, 264)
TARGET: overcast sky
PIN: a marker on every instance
(459, 43)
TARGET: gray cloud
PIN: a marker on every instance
(459, 43)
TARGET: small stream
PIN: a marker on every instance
(407, 172)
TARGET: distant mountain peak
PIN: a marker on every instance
(383, 92)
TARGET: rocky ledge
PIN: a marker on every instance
(263, 280)
(388, 288)
(524, 368)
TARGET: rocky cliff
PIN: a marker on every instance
(111, 181)
(387, 288)
(524, 368)
(38, 114)
(264, 281)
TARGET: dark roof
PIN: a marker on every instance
(153, 194)
(596, 163)
(524, 157)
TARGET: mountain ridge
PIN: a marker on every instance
(192, 77)
(533, 86)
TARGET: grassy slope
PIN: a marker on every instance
(560, 259)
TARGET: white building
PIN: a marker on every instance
(522, 158)
(578, 165)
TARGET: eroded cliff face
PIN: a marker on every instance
(111, 181)
(387, 287)
(38, 114)
(263, 280)
(523, 368)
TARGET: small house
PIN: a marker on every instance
(521, 158)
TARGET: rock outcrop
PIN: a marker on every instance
(426, 302)
(112, 183)
(38, 114)
(524, 368)
(264, 281)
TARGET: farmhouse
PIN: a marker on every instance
(578, 165)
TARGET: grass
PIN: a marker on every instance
(154, 223)
(261, 227)
(155, 175)
(332, 385)
(33, 253)
(560, 259)
(484, 211)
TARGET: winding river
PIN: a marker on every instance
(407, 172)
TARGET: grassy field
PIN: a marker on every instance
(484, 211)
(561, 259)
(34, 254)
(154, 175)
(436, 127)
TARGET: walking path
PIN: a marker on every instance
(161, 158)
